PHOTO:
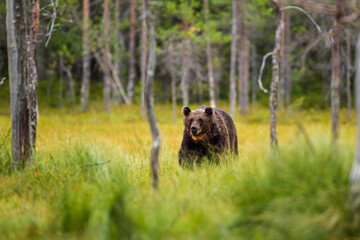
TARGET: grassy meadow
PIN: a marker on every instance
(91, 180)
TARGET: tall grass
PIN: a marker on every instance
(298, 193)
(91, 180)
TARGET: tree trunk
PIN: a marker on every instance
(275, 76)
(173, 80)
(131, 83)
(185, 72)
(117, 61)
(71, 89)
(21, 39)
(286, 62)
(209, 58)
(355, 171)
(254, 72)
(348, 72)
(281, 90)
(143, 62)
(235, 36)
(85, 85)
(243, 63)
(107, 77)
(335, 76)
(149, 100)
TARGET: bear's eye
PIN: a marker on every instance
(200, 120)
(191, 120)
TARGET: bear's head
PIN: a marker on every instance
(198, 123)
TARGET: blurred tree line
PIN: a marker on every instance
(103, 41)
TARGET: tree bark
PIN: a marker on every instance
(143, 61)
(173, 81)
(281, 90)
(235, 36)
(149, 100)
(243, 63)
(209, 58)
(254, 72)
(21, 40)
(32, 72)
(131, 83)
(117, 61)
(285, 78)
(185, 66)
(275, 76)
(348, 72)
(85, 85)
(355, 171)
(107, 77)
(71, 83)
(286, 63)
(335, 76)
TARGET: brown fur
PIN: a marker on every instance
(207, 132)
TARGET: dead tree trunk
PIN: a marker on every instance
(243, 63)
(335, 76)
(185, 67)
(149, 100)
(131, 83)
(275, 75)
(173, 80)
(85, 85)
(209, 58)
(143, 61)
(348, 72)
(235, 36)
(21, 38)
(107, 76)
(355, 171)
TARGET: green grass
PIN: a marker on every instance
(91, 180)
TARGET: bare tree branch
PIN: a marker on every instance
(261, 71)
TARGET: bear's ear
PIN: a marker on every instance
(186, 110)
(209, 111)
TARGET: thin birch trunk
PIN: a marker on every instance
(107, 76)
(143, 61)
(254, 71)
(173, 80)
(117, 61)
(185, 72)
(281, 90)
(275, 76)
(355, 171)
(131, 83)
(243, 86)
(85, 85)
(149, 99)
(286, 62)
(235, 36)
(209, 58)
(335, 76)
(348, 72)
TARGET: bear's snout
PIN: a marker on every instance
(194, 130)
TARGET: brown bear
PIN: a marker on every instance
(208, 132)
